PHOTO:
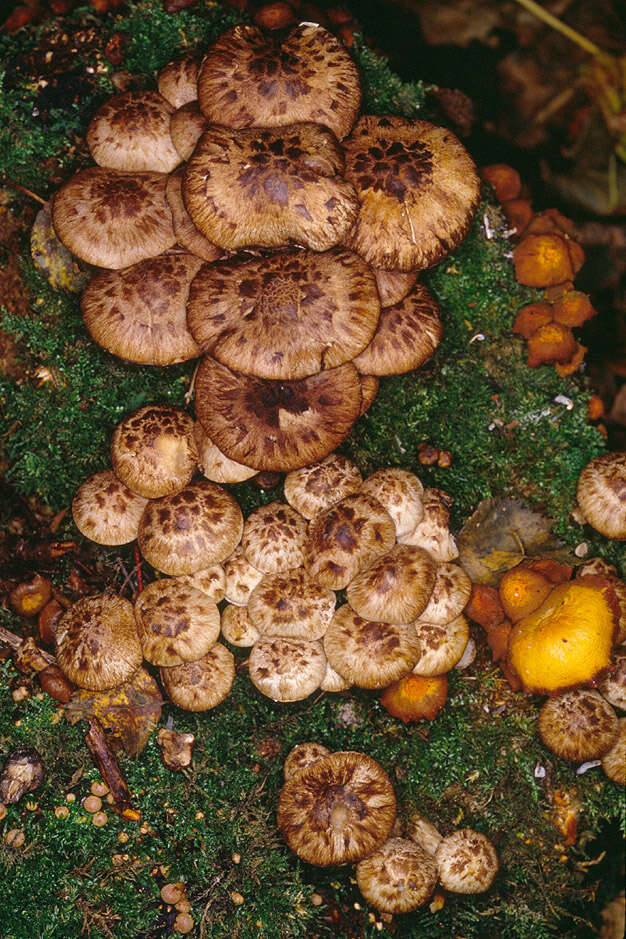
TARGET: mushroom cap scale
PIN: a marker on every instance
(286, 669)
(202, 684)
(400, 876)
(273, 537)
(107, 511)
(176, 623)
(178, 80)
(291, 604)
(396, 586)
(578, 725)
(313, 488)
(400, 492)
(467, 861)
(131, 132)
(301, 756)
(601, 494)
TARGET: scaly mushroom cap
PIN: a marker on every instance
(175, 623)
(400, 492)
(287, 316)
(178, 80)
(347, 538)
(467, 862)
(339, 809)
(113, 219)
(369, 390)
(191, 529)
(96, 642)
(139, 313)
(203, 684)
(408, 334)
(286, 669)
(249, 78)
(291, 604)
(237, 628)
(215, 465)
(613, 686)
(601, 494)
(333, 682)
(131, 132)
(423, 833)
(396, 587)
(106, 511)
(273, 538)
(432, 532)
(439, 647)
(450, 595)
(614, 760)
(153, 450)
(301, 756)
(398, 877)
(314, 488)
(367, 653)
(187, 125)
(241, 578)
(418, 190)
(275, 425)
(393, 286)
(186, 232)
(269, 188)
(210, 581)
(578, 725)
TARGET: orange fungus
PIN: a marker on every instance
(415, 697)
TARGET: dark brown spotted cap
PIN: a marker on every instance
(418, 190)
(440, 645)
(113, 219)
(96, 642)
(393, 286)
(450, 594)
(153, 450)
(269, 187)
(400, 491)
(339, 809)
(203, 684)
(139, 313)
(316, 487)
(176, 623)
(287, 316)
(106, 511)
(178, 80)
(398, 877)
(273, 537)
(601, 493)
(285, 669)
(185, 532)
(131, 132)
(396, 587)
(186, 232)
(467, 861)
(252, 78)
(578, 725)
(291, 604)
(276, 425)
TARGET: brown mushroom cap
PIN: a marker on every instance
(131, 132)
(338, 809)
(175, 623)
(614, 760)
(467, 861)
(191, 529)
(613, 685)
(450, 594)
(346, 538)
(249, 78)
(301, 756)
(106, 511)
(269, 187)
(237, 628)
(400, 492)
(333, 682)
(287, 316)
(396, 587)
(440, 646)
(418, 190)
(113, 219)
(187, 125)
(241, 578)
(153, 450)
(423, 833)
(272, 425)
(96, 642)
(273, 537)
(432, 533)
(215, 465)
(313, 488)
(291, 604)
(393, 286)
(578, 725)
(178, 80)
(203, 684)
(186, 232)
(210, 581)
(139, 313)
(369, 390)
(398, 877)
(286, 669)
(369, 654)
(601, 494)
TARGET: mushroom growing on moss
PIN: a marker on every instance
(578, 725)
(107, 511)
(416, 697)
(601, 494)
(467, 861)
(400, 876)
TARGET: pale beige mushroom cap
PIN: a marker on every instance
(396, 587)
(153, 450)
(178, 80)
(333, 682)
(203, 684)
(131, 132)
(286, 669)
(423, 833)
(241, 578)
(175, 623)
(316, 487)
(215, 465)
(432, 533)
(301, 756)
(393, 286)
(369, 390)
(273, 538)
(338, 809)
(96, 642)
(237, 628)
(613, 685)
(467, 862)
(398, 877)
(291, 604)
(186, 232)
(578, 725)
(450, 594)
(601, 494)
(369, 654)
(208, 580)
(106, 511)
(187, 125)
(614, 760)
(440, 646)
(400, 492)
(596, 566)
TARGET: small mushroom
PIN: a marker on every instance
(400, 492)
(186, 232)
(393, 286)
(23, 772)
(178, 80)
(440, 647)
(614, 760)
(415, 697)
(314, 488)
(292, 605)
(398, 877)
(286, 669)
(613, 685)
(215, 465)
(423, 833)
(601, 494)
(176, 623)
(210, 581)
(241, 578)
(203, 684)
(106, 511)
(578, 725)
(396, 587)
(449, 596)
(30, 597)
(467, 861)
(301, 756)
(432, 533)
(176, 748)
(237, 628)
(273, 538)
(131, 132)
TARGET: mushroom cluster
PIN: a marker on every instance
(244, 214)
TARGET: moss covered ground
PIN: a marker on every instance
(475, 765)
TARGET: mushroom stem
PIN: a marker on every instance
(107, 764)
(560, 26)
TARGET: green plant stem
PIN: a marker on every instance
(560, 26)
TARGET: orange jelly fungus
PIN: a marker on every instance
(543, 260)
(531, 317)
(505, 180)
(567, 641)
(484, 606)
(522, 591)
(414, 697)
(551, 343)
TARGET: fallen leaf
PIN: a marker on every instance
(55, 262)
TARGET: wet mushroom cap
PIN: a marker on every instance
(251, 78)
(614, 760)
(112, 219)
(186, 232)
(396, 587)
(272, 425)
(153, 450)
(175, 623)
(106, 511)
(313, 488)
(450, 594)
(601, 494)
(339, 809)
(578, 725)
(440, 646)
(286, 669)
(131, 132)
(178, 80)
(400, 876)
(269, 187)
(301, 756)
(467, 861)
(139, 313)
(273, 537)
(418, 190)
(215, 465)
(291, 604)
(400, 492)
(203, 684)
(96, 642)
(287, 316)
(237, 628)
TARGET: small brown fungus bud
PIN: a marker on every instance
(28, 657)
(99, 819)
(444, 459)
(54, 683)
(23, 772)
(92, 804)
(15, 838)
(47, 620)
(176, 749)
(29, 598)
(183, 923)
(173, 893)
(427, 454)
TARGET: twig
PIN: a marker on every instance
(107, 764)
(560, 26)
(138, 568)
(27, 192)
(15, 641)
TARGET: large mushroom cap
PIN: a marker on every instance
(313, 488)
(273, 538)
(601, 494)
(578, 725)
(291, 604)
(203, 684)
(96, 642)
(273, 425)
(396, 587)
(398, 877)
(467, 861)
(176, 623)
(139, 313)
(286, 669)
(341, 808)
(251, 78)
(269, 187)
(106, 511)
(186, 232)
(286, 316)
(131, 132)
(400, 492)
(113, 219)
(418, 189)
